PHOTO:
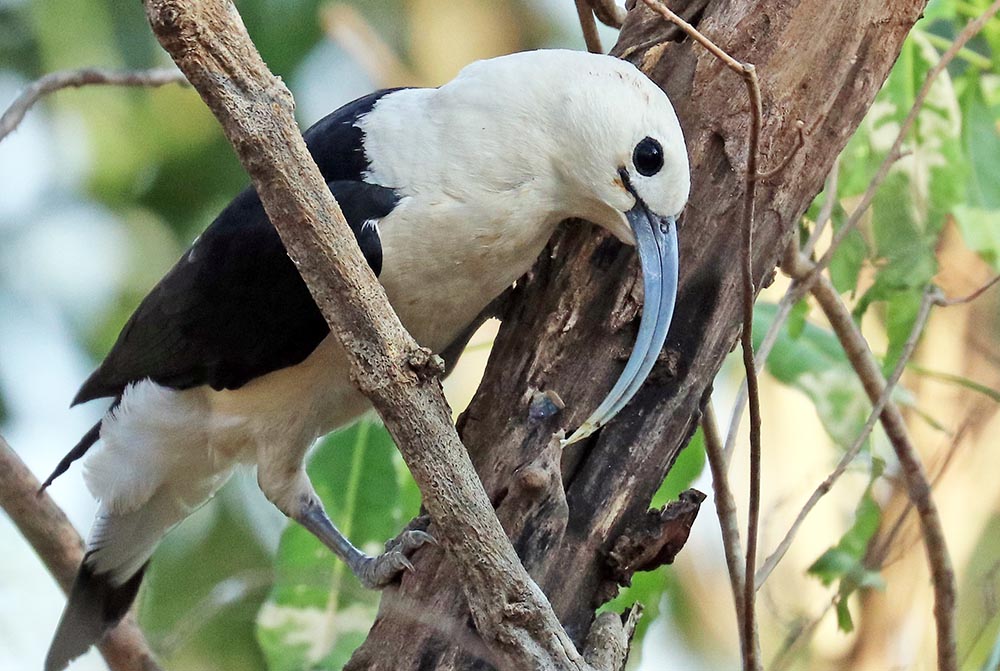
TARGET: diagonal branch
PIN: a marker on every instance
(917, 485)
(747, 71)
(589, 27)
(60, 547)
(209, 43)
(848, 458)
(62, 79)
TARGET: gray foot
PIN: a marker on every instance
(377, 572)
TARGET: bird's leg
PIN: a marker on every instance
(305, 508)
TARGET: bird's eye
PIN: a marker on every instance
(648, 157)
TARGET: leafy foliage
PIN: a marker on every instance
(844, 562)
(317, 613)
(815, 364)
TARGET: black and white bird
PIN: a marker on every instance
(451, 193)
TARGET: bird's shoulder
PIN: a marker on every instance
(233, 307)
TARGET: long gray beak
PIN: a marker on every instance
(656, 240)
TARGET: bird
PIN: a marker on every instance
(451, 193)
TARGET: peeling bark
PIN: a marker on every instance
(575, 518)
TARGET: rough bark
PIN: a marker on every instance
(818, 62)
(209, 43)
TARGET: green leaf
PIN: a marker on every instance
(815, 364)
(844, 620)
(189, 604)
(797, 319)
(901, 315)
(989, 392)
(317, 612)
(844, 562)
(648, 589)
(977, 218)
(688, 466)
(847, 262)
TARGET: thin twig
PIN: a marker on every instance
(608, 12)
(589, 27)
(947, 302)
(917, 485)
(826, 209)
(62, 79)
(878, 555)
(788, 300)
(45, 526)
(783, 658)
(911, 343)
(747, 71)
(725, 507)
(800, 141)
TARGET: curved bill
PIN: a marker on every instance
(656, 240)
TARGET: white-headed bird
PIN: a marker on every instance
(451, 192)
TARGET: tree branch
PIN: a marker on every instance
(849, 456)
(59, 546)
(747, 71)
(608, 12)
(62, 79)
(589, 27)
(919, 489)
(209, 43)
(725, 507)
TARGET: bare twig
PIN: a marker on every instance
(589, 27)
(911, 343)
(210, 45)
(725, 507)
(608, 12)
(747, 71)
(918, 487)
(826, 209)
(346, 26)
(62, 79)
(785, 305)
(947, 302)
(878, 554)
(798, 637)
(800, 141)
(60, 547)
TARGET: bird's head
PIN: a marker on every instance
(537, 137)
(619, 154)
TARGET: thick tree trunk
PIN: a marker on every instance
(579, 518)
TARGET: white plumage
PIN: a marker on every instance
(483, 168)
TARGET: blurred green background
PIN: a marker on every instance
(101, 189)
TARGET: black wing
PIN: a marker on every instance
(234, 307)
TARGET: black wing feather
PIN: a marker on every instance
(234, 307)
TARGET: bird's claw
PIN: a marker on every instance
(378, 572)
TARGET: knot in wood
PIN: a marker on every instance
(165, 18)
(425, 363)
(518, 610)
(533, 479)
